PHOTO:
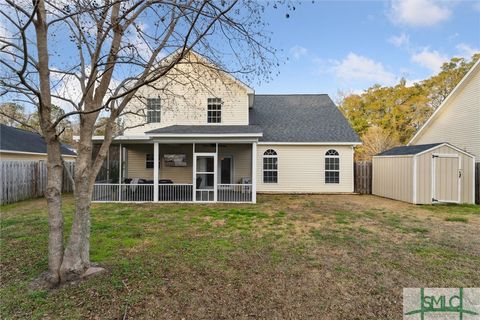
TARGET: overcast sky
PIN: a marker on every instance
(350, 45)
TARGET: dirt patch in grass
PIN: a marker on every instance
(288, 257)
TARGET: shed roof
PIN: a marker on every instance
(408, 150)
(300, 118)
(19, 140)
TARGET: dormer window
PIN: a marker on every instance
(214, 110)
(153, 110)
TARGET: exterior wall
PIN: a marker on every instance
(424, 176)
(458, 122)
(136, 156)
(242, 160)
(184, 93)
(393, 177)
(29, 157)
(301, 169)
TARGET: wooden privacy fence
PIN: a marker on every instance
(21, 180)
(477, 183)
(363, 177)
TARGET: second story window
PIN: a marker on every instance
(153, 110)
(214, 110)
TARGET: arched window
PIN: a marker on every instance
(332, 166)
(270, 166)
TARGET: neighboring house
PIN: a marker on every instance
(19, 144)
(219, 141)
(457, 119)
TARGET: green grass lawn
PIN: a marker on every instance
(295, 257)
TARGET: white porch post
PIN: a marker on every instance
(108, 165)
(254, 172)
(155, 171)
(194, 170)
(215, 174)
(120, 173)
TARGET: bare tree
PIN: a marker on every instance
(110, 49)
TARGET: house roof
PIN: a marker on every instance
(19, 140)
(408, 150)
(300, 118)
(454, 92)
(180, 130)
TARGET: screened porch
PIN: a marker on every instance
(178, 172)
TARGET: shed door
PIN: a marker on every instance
(446, 178)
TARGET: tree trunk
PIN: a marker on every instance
(76, 259)
(54, 204)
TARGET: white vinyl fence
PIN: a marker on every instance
(20, 180)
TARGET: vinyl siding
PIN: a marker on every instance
(242, 160)
(393, 177)
(135, 162)
(301, 168)
(459, 120)
(184, 94)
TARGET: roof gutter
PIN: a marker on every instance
(204, 135)
(311, 143)
(34, 153)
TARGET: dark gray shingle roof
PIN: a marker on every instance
(207, 129)
(300, 118)
(14, 139)
(408, 150)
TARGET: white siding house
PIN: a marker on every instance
(201, 135)
(457, 120)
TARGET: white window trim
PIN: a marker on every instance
(327, 156)
(269, 170)
(154, 111)
(220, 103)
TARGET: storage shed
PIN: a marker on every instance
(425, 174)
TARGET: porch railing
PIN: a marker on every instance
(175, 192)
(114, 192)
(234, 192)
